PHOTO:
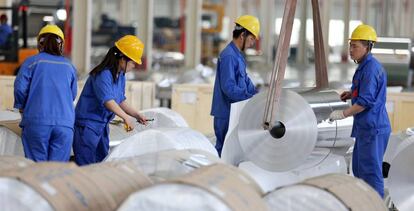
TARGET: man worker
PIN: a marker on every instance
(5, 32)
(232, 84)
(371, 127)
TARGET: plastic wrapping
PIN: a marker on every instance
(401, 176)
(320, 162)
(170, 197)
(325, 193)
(303, 197)
(10, 142)
(16, 195)
(168, 164)
(155, 140)
(162, 117)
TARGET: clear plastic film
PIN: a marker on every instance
(155, 140)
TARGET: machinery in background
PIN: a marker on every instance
(395, 56)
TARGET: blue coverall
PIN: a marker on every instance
(5, 32)
(91, 139)
(371, 127)
(45, 89)
(231, 85)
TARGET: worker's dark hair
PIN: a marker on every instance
(238, 30)
(111, 62)
(367, 43)
(51, 44)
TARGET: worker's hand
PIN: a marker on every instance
(141, 119)
(345, 95)
(337, 115)
(128, 124)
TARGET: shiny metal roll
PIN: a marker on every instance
(278, 154)
(330, 134)
(10, 140)
(8, 162)
(401, 176)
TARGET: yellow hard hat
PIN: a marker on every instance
(132, 47)
(250, 23)
(364, 32)
(52, 29)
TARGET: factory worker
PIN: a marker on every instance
(232, 84)
(102, 98)
(371, 127)
(44, 91)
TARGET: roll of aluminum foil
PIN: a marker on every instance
(287, 152)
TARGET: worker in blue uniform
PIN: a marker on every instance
(102, 98)
(5, 32)
(371, 127)
(44, 91)
(232, 84)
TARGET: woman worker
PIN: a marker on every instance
(102, 98)
(44, 90)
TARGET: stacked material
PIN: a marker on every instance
(168, 164)
(59, 186)
(162, 117)
(10, 132)
(215, 187)
(325, 193)
(320, 162)
(8, 162)
(401, 176)
(155, 140)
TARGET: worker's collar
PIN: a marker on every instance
(364, 61)
(236, 50)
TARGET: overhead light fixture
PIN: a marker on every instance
(61, 14)
(48, 18)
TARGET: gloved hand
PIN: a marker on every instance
(337, 115)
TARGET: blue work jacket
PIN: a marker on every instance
(369, 90)
(98, 89)
(5, 32)
(232, 83)
(45, 89)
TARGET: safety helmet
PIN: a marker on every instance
(250, 23)
(364, 32)
(53, 29)
(132, 47)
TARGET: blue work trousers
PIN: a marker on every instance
(90, 146)
(47, 142)
(221, 125)
(367, 160)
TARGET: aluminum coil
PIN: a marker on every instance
(155, 140)
(287, 152)
(401, 176)
(10, 142)
(8, 162)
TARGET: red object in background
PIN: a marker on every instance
(68, 30)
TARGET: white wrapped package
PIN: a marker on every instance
(10, 142)
(155, 140)
(337, 192)
(16, 195)
(162, 117)
(168, 164)
(173, 197)
(320, 162)
(401, 176)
